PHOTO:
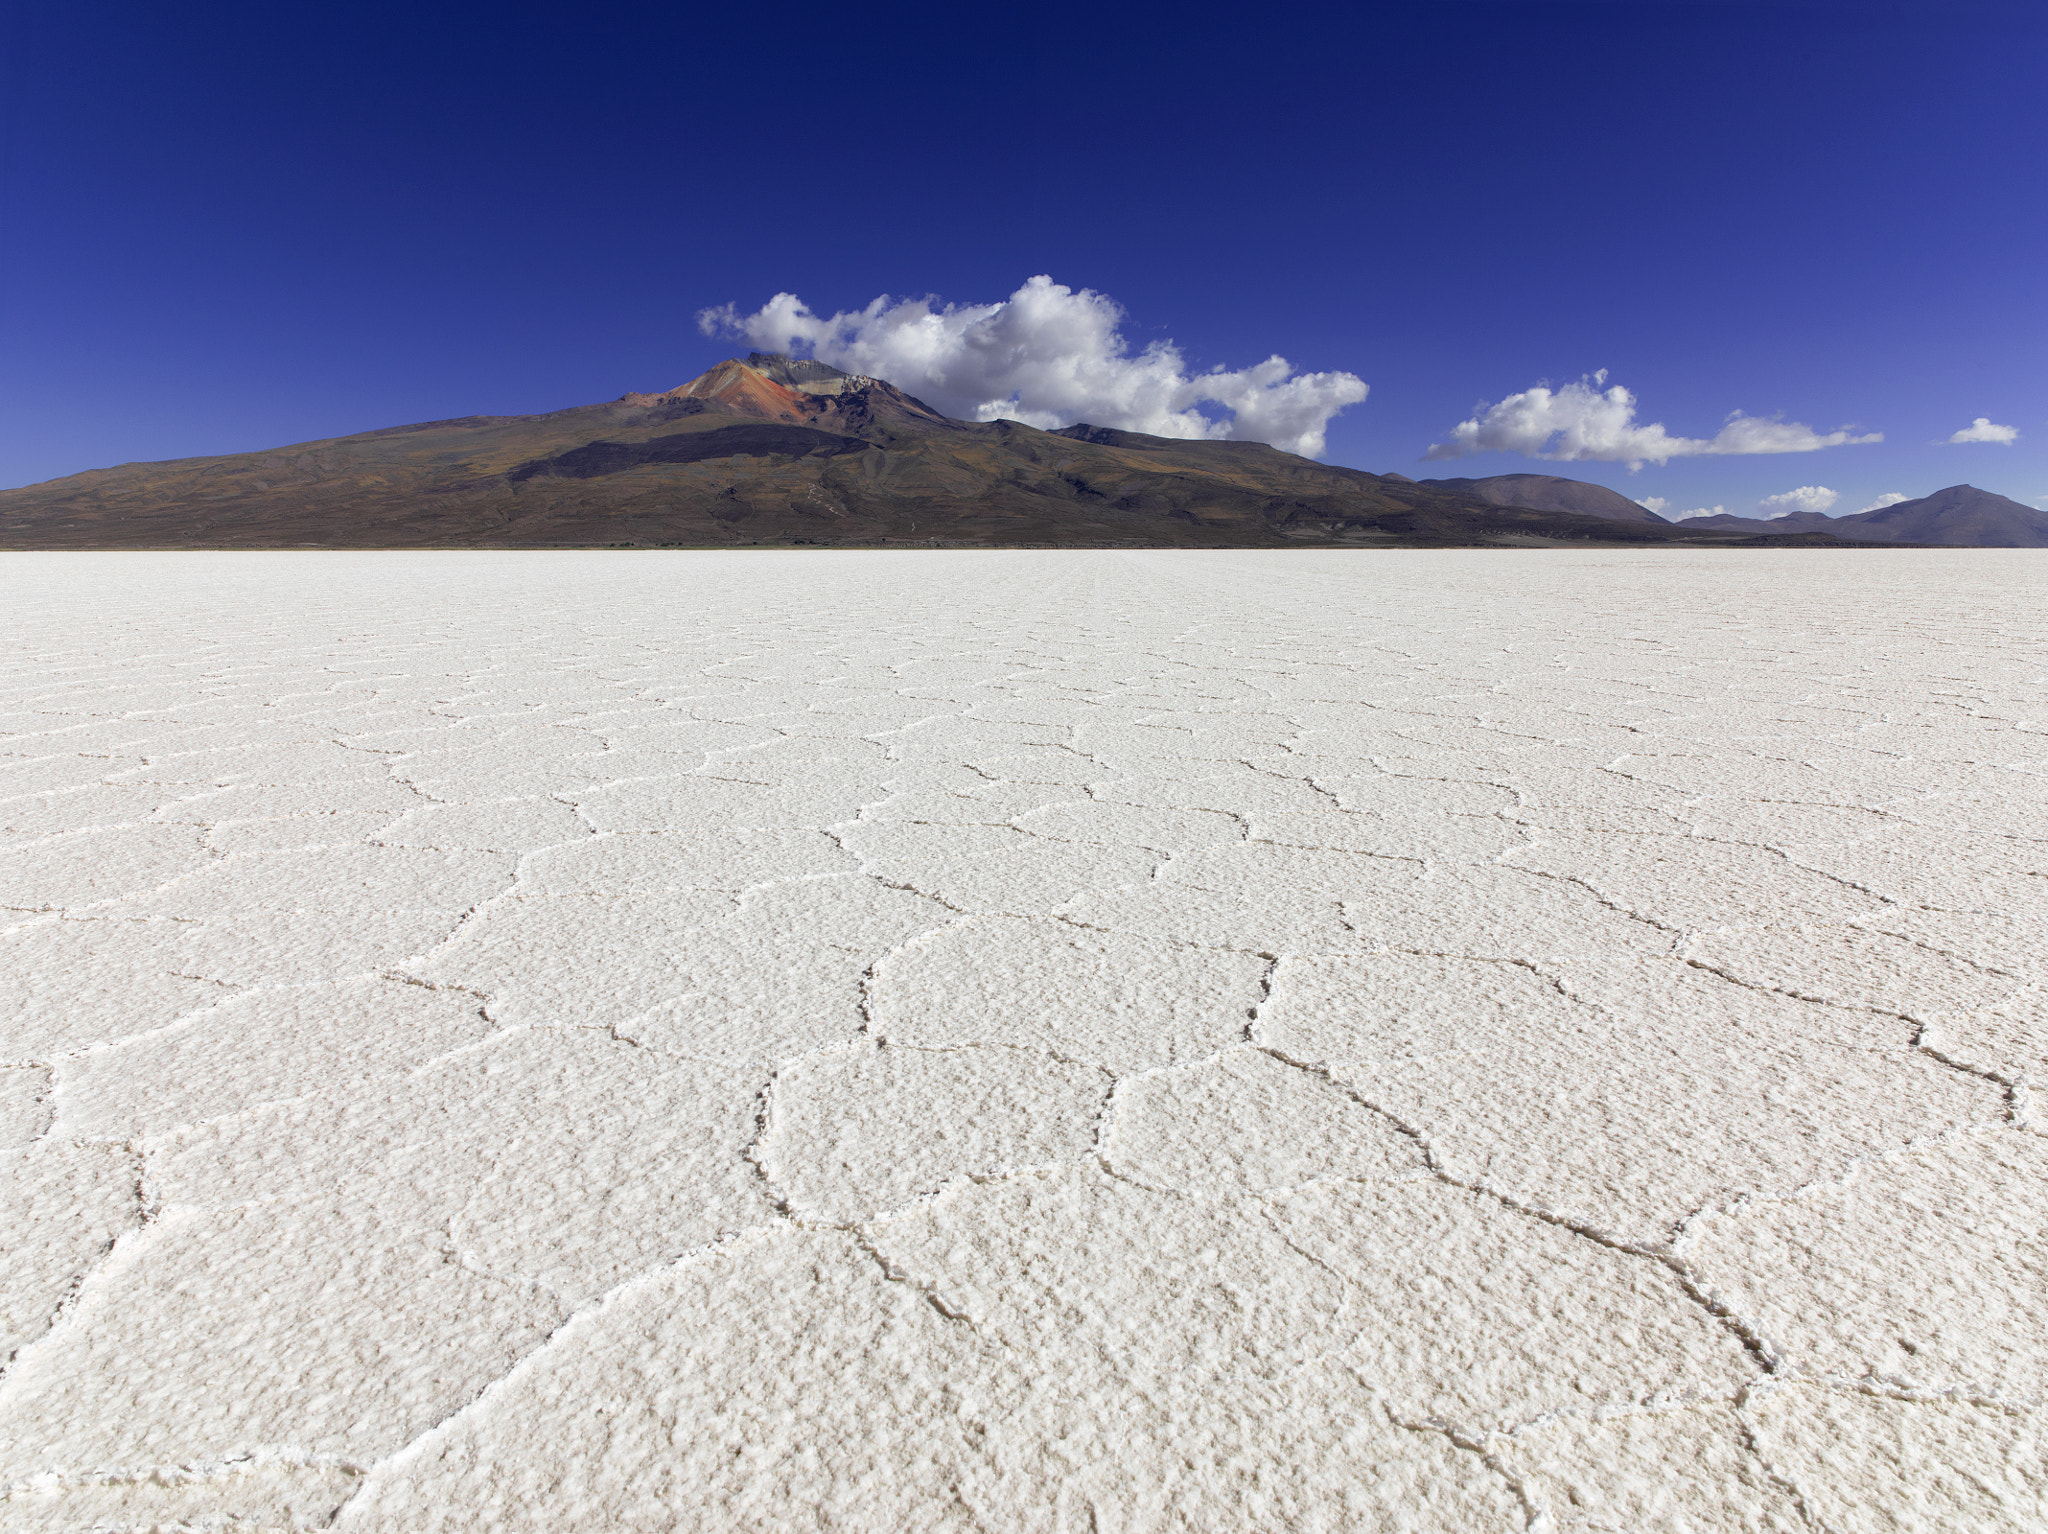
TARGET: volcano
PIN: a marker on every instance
(776, 450)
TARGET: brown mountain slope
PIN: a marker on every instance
(764, 451)
(1547, 492)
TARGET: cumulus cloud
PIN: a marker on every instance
(1586, 421)
(1889, 498)
(1702, 511)
(1655, 503)
(1983, 429)
(1049, 355)
(1805, 498)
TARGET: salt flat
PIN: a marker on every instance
(1024, 1041)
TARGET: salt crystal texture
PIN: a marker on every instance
(1024, 1041)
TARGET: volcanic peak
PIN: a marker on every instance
(805, 373)
(800, 391)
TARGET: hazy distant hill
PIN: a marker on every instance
(1961, 516)
(1547, 492)
(1792, 522)
(773, 450)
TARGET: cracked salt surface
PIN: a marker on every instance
(1024, 1041)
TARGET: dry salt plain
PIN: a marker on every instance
(1024, 1041)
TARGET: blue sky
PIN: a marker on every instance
(239, 226)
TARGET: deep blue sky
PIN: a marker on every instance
(237, 226)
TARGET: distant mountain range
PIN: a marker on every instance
(775, 451)
(1960, 515)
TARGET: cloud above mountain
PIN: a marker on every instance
(1806, 498)
(1889, 498)
(1588, 422)
(1984, 429)
(1049, 356)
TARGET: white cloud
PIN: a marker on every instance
(1049, 356)
(1984, 430)
(1582, 421)
(1655, 503)
(1889, 498)
(1702, 511)
(1805, 498)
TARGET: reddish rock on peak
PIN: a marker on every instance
(747, 391)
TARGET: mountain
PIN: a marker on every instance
(1791, 522)
(775, 450)
(1960, 516)
(1546, 492)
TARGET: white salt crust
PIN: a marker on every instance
(1024, 1041)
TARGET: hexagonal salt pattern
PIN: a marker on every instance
(1024, 1041)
